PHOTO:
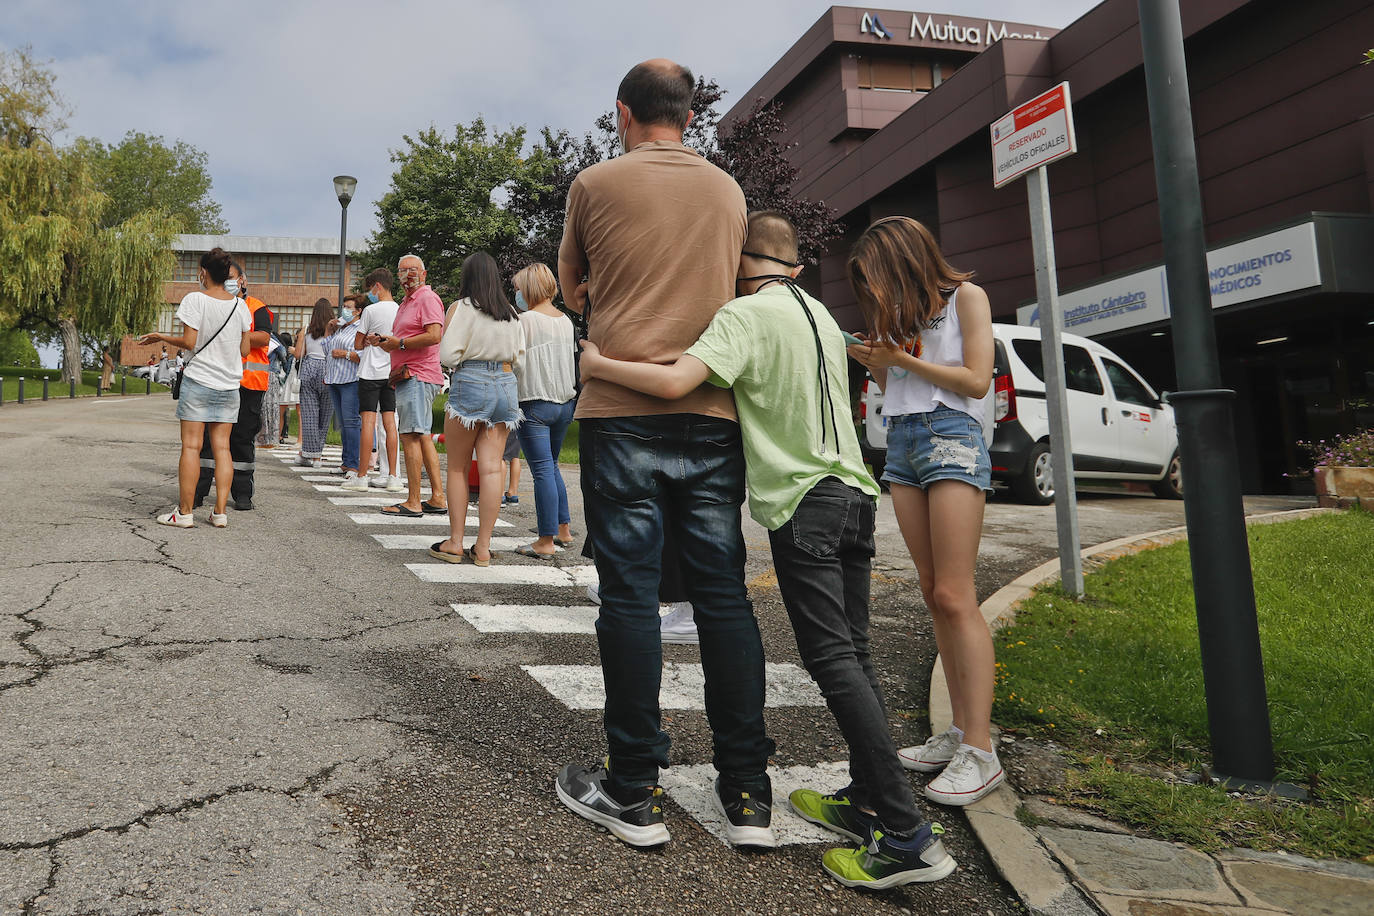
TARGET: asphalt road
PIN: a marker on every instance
(282, 717)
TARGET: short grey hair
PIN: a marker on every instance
(407, 257)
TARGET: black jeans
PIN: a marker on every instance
(823, 556)
(242, 449)
(684, 474)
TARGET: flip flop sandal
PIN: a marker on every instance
(402, 510)
(444, 555)
(529, 551)
(563, 543)
(429, 509)
(467, 552)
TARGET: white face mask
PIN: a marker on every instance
(623, 134)
(231, 286)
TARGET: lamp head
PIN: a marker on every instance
(344, 185)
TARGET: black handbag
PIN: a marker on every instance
(176, 379)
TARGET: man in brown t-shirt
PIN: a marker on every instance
(657, 233)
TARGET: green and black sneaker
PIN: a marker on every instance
(833, 812)
(888, 862)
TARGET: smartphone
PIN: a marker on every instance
(850, 338)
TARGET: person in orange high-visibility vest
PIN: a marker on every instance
(251, 391)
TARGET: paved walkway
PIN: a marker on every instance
(1066, 862)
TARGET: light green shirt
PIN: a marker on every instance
(762, 347)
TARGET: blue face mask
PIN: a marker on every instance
(231, 286)
(520, 304)
(371, 298)
(346, 315)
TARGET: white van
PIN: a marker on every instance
(1121, 429)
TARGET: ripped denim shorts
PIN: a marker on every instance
(943, 444)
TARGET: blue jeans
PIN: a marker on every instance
(541, 437)
(823, 557)
(345, 400)
(683, 473)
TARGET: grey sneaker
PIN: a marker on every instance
(932, 756)
(583, 791)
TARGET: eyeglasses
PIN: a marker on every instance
(412, 269)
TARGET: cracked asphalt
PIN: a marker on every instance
(280, 718)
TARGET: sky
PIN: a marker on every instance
(284, 95)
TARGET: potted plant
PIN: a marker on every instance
(1344, 468)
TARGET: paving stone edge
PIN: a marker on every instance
(1043, 885)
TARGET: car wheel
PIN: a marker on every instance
(1170, 486)
(1036, 484)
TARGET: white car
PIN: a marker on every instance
(1121, 429)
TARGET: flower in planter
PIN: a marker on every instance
(1355, 450)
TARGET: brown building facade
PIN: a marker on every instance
(1284, 119)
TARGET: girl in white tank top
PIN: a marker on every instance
(930, 347)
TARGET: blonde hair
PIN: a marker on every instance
(900, 278)
(536, 283)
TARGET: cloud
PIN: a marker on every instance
(284, 95)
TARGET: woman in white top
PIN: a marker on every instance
(314, 408)
(219, 322)
(548, 395)
(930, 348)
(483, 343)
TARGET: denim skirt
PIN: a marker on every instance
(206, 405)
(485, 392)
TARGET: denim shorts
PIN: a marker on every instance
(206, 405)
(415, 406)
(481, 391)
(943, 444)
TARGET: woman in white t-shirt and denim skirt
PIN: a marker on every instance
(217, 324)
(483, 342)
(930, 348)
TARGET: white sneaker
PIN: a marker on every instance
(932, 756)
(395, 484)
(966, 779)
(176, 519)
(315, 463)
(678, 627)
(352, 481)
(219, 519)
(594, 594)
(377, 480)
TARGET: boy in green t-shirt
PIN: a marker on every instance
(784, 357)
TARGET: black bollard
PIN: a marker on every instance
(123, 384)
(45, 387)
(147, 384)
(72, 389)
(21, 389)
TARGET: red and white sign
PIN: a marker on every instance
(1035, 134)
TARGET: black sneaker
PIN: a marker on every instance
(583, 790)
(748, 815)
(888, 862)
(243, 505)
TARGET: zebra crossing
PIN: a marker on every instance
(578, 687)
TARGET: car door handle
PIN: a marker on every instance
(1104, 416)
(1128, 413)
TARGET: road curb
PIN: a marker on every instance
(1017, 852)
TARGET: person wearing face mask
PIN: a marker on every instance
(415, 371)
(341, 381)
(653, 464)
(376, 398)
(252, 390)
(217, 332)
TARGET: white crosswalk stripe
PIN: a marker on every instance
(527, 618)
(377, 518)
(422, 542)
(325, 488)
(499, 574)
(683, 685)
(691, 787)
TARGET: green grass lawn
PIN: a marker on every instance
(33, 387)
(1117, 681)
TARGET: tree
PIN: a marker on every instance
(31, 111)
(449, 197)
(17, 349)
(752, 153)
(142, 172)
(60, 268)
(539, 211)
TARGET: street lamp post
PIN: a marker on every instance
(344, 185)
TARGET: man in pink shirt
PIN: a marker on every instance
(414, 348)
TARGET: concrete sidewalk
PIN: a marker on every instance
(1065, 862)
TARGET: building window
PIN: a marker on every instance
(292, 269)
(274, 270)
(312, 270)
(187, 267)
(894, 74)
(256, 268)
(329, 270)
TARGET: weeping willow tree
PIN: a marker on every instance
(61, 269)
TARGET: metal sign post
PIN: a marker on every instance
(1024, 142)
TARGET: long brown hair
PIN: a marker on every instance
(900, 277)
(319, 318)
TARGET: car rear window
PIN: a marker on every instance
(1079, 371)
